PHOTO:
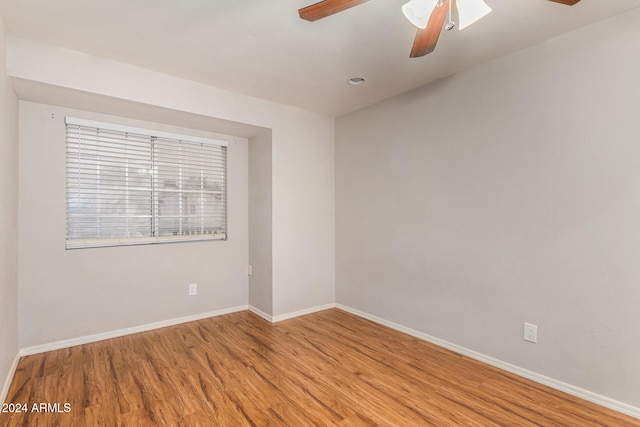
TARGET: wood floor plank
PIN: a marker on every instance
(327, 369)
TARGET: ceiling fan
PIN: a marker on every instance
(430, 16)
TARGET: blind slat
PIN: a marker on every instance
(127, 187)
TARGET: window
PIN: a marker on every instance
(128, 186)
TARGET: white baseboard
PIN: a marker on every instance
(7, 382)
(550, 382)
(27, 351)
(126, 331)
(261, 313)
(281, 317)
(288, 316)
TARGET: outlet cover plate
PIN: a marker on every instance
(193, 289)
(530, 332)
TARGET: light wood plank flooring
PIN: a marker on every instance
(328, 368)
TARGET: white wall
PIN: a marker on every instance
(303, 216)
(504, 194)
(302, 154)
(261, 224)
(66, 294)
(8, 222)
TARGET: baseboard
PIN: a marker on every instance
(550, 382)
(280, 318)
(261, 313)
(27, 351)
(7, 382)
(127, 331)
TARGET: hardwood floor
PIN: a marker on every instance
(328, 368)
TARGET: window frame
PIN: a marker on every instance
(215, 198)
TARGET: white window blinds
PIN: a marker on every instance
(129, 186)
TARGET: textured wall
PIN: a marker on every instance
(508, 193)
(66, 294)
(8, 220)
(261, 223)
(303, 191)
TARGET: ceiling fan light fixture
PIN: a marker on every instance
(419, 11)
(470, 11)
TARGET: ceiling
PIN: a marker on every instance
(261, 48)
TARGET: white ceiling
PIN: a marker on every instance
(261, 47)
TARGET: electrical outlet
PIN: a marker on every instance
(250, 270)
(530, 333)
(193, 289)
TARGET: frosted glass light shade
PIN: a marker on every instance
(419, 11)
(470, 11)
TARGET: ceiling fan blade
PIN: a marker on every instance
(567, 2)
(426, 39)
(326, 8)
